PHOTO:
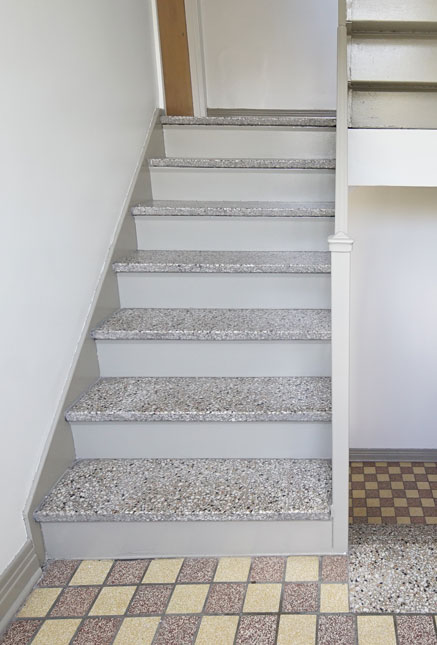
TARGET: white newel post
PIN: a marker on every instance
(340, 246)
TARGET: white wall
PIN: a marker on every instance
(394, 317)
(78, 89)
(270, 54)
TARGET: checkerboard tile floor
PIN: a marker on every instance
(299, 600)
(393, 493)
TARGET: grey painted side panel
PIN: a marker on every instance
(155, 539)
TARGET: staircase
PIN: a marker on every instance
(209, 431)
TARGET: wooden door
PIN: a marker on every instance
(175, 57)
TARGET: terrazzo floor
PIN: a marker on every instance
(383, 593)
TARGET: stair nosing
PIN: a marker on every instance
(243, 163)
(162, 208)
(191, 399)
(89, 490)
(257, 262)
(309, 324)
(291, 121)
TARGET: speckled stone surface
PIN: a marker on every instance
(234, 209)
(224, 262)
(190, 489)
(192, 162)
(318, 121)
(216, 324)
(393, 569)
(205, 399)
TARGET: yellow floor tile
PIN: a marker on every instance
(374, 520)
(39, 603)
(371, 485)
(434, 492)
(407, 477)
(418, 470)
(297, 629)
(387, 511)
(423, 485)
(400, 501)
(397, 485)
(394, 470)
(369, 470)
(163, 570)
(56, 631)
(302, 568)
(137, 631)
(416, 511)
(263, 598)
(360, 511)
(91, 572)
(405, 463)
(188, 599)
(427, 501)
(381, 463)
(219, 630)
(359, 493)
(112, 601)
(376, 630)
(432, 478)
(382, 478)
(403, 520)
(232, 570)
(431, 520)
(412, 493)
(385, 493)
(334, 599)
(357, 478)
(373, 502)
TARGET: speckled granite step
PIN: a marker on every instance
(216, 324)
(234, 209)
(190, 490)
(224, 262)
(296, 121)
(290, 164)
(145, 399)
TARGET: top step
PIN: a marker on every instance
(293, 121)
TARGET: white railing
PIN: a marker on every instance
(340, 245)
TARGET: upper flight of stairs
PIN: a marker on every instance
(209, 430)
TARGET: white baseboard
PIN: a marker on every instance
(17, 581)
(386, 454)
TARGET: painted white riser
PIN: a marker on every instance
(296, 291)
(87, 540)
(234, 233)
(243, 184)
(220, 440)
(249, 142)
(205, 358)
(388, 59)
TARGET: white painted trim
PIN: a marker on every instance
(197, 56)
(158, 58)
(17, 581)
(388, 454)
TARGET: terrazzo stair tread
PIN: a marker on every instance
(297, 121)
(191, 399)
(142, 490)
(234, 209)
(216, 324)
(157, 261)
(191, 162)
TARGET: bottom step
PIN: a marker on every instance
(141, 507)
